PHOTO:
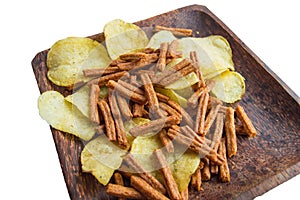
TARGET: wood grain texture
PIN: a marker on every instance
(261, 163)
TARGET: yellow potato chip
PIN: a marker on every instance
(214, 53)
(160, 37)
(142, 149)
(183, 167)
(62, 115)
(229, 86)
(68, 57)
(122, 37)
(101, 158)
(80, 99)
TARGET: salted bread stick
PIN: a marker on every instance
(108, 120)
(123, 192)
(224, 174)
(165, 170)
(147, 190)
(231, 142)
(93, 100)
(241, 114)
(196, 180)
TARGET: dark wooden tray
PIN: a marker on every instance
(262, 163)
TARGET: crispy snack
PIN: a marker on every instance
(124, 107)
(166, 141)
(139, 64)
(201, 112)
(210, 118)
(176, 75)
(131, 87)
(104, 79)
(154, 126)
(196, 64)
(93, 100)
(154, 110)
(231, 143)
(171, 185)
(161, 63)
(126, 93)
(196, 180)
(205, 172)
(172, 50)
(123, 192)
(119, 181)
(60, 114)
(120, 130)
(108, 119)
(148, 177)
(166, 73)
(241, 114)
(175, 31)
(224, 173)
(94, 72)
(144, 188)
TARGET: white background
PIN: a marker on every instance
(29, 167)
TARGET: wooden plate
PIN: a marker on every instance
(261, 163)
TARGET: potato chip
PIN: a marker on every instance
(173, 96)
(214, 53)
(62, 115)
(122, 37)
(229, 86)
(183, 168)
(80, 99)
(101, 158)
(160, 37)
(68, 57)
(142, 149)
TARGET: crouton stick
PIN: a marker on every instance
(169, 109)
(166, 141)
(93, 100)
(124, 107)
(144, 188)
(100, 71)
(119, 181)
(108, 120)
(172, 50)
(187, 119)
(150, 58)
(175, 31)
(123, 192)
(205, 172)
(104, 79)
(193, 100)
(134, 165)
(196, 179)
(231, 143)
(241, 114)
(224, 174)
(169, 71)
(120, 130)
(154, 126)
(210, 118)
(131, 87)
(165, 170)
(161, 63)
(177, 75)
(201, 112)
(196, 64)
(217, 135)
(185, 194)
(154, 110)
(126, 93)
(162, 98)
(133, 56)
